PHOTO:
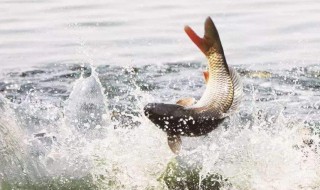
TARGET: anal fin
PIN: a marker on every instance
(174, 142)
(206, 76)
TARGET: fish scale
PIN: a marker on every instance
(218, 95)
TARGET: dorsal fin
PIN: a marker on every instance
(237, 90)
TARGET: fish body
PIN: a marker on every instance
(221, 98)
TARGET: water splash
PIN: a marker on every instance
(259, 156)
(116, 147)
(86, 107)
(15, 161)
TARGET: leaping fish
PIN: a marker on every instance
(221, 97)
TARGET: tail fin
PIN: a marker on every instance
(210, 39)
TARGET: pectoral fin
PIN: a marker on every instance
(186, 101)
(174, 142)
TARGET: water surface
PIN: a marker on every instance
(75, 76)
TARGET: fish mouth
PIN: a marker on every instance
(148, 108)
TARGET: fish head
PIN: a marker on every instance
(161, 113)
(166, 116)
(175, 119)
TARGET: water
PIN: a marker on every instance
(66, 124)
(264, 33)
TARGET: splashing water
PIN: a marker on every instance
(69, 126)
(260, 157)
(86, 106)
(97, 134)
(15, 162)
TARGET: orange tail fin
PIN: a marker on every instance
(210, 39)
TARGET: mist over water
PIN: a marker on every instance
(75, 76)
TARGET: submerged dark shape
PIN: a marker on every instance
(221, 97)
